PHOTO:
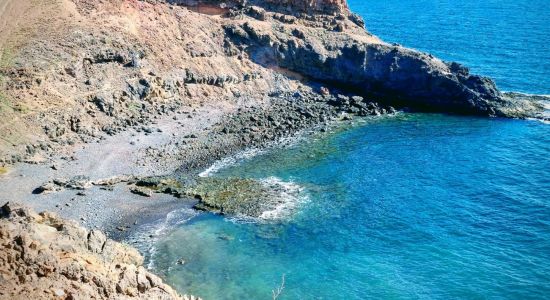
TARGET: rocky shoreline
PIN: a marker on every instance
(111, 125)
(46, 257)
(108, 81)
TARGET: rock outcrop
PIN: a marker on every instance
(388, 73)
(45, 257)
(67, 80)
(285, 6)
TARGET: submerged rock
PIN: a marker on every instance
(265, 200)
(235, 197)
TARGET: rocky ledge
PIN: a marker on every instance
(77, 82)
(352, 60)
(45, 257)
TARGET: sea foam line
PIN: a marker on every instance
(282, 142)
(148, 236)
(288, 199)
(250, 153)
(230, 161)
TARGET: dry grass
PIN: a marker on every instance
(3, 170)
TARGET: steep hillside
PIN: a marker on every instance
(75, 71)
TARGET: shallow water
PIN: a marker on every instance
(414, 206)
(411, 206)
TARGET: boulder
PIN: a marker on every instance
(46, 257)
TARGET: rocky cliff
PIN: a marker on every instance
(82, 69)
(286, 6)
(361, 64)
(46, 257)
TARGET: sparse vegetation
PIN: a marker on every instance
(3, 170)
(21, 108)
(6, 58)
(4, 103)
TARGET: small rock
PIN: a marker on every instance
(141, 191)
(59, 293)
(47, 188)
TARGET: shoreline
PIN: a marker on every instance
(211, 135)
(116, 111)
(114, 156)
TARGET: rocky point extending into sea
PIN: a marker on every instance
(111, 108)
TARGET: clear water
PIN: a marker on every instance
(508, 40)
(414, 206)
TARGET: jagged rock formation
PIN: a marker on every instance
(285, 6)
(389, 73)
(45, 257)
(66, 80)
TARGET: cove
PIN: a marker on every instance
(409, 206)
(413, 206)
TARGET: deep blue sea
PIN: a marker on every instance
(411, 206)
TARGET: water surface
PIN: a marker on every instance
(415, 206)
(406, 207)
(507, 40)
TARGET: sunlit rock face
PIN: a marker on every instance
(287, 6)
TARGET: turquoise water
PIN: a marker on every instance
(409, 207)
(412, 206)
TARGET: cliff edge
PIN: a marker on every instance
(45, 257)
(79, 70)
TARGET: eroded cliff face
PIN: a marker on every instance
(388, 73)
(85, 69)
(309, 6)
(46, 257)
(286, 6)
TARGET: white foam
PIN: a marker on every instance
(287, 198)
(250, 153)
(283, 142)
(545, 115)
(148, 235)
(230, 161)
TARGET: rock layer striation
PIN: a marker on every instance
(65, 80)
